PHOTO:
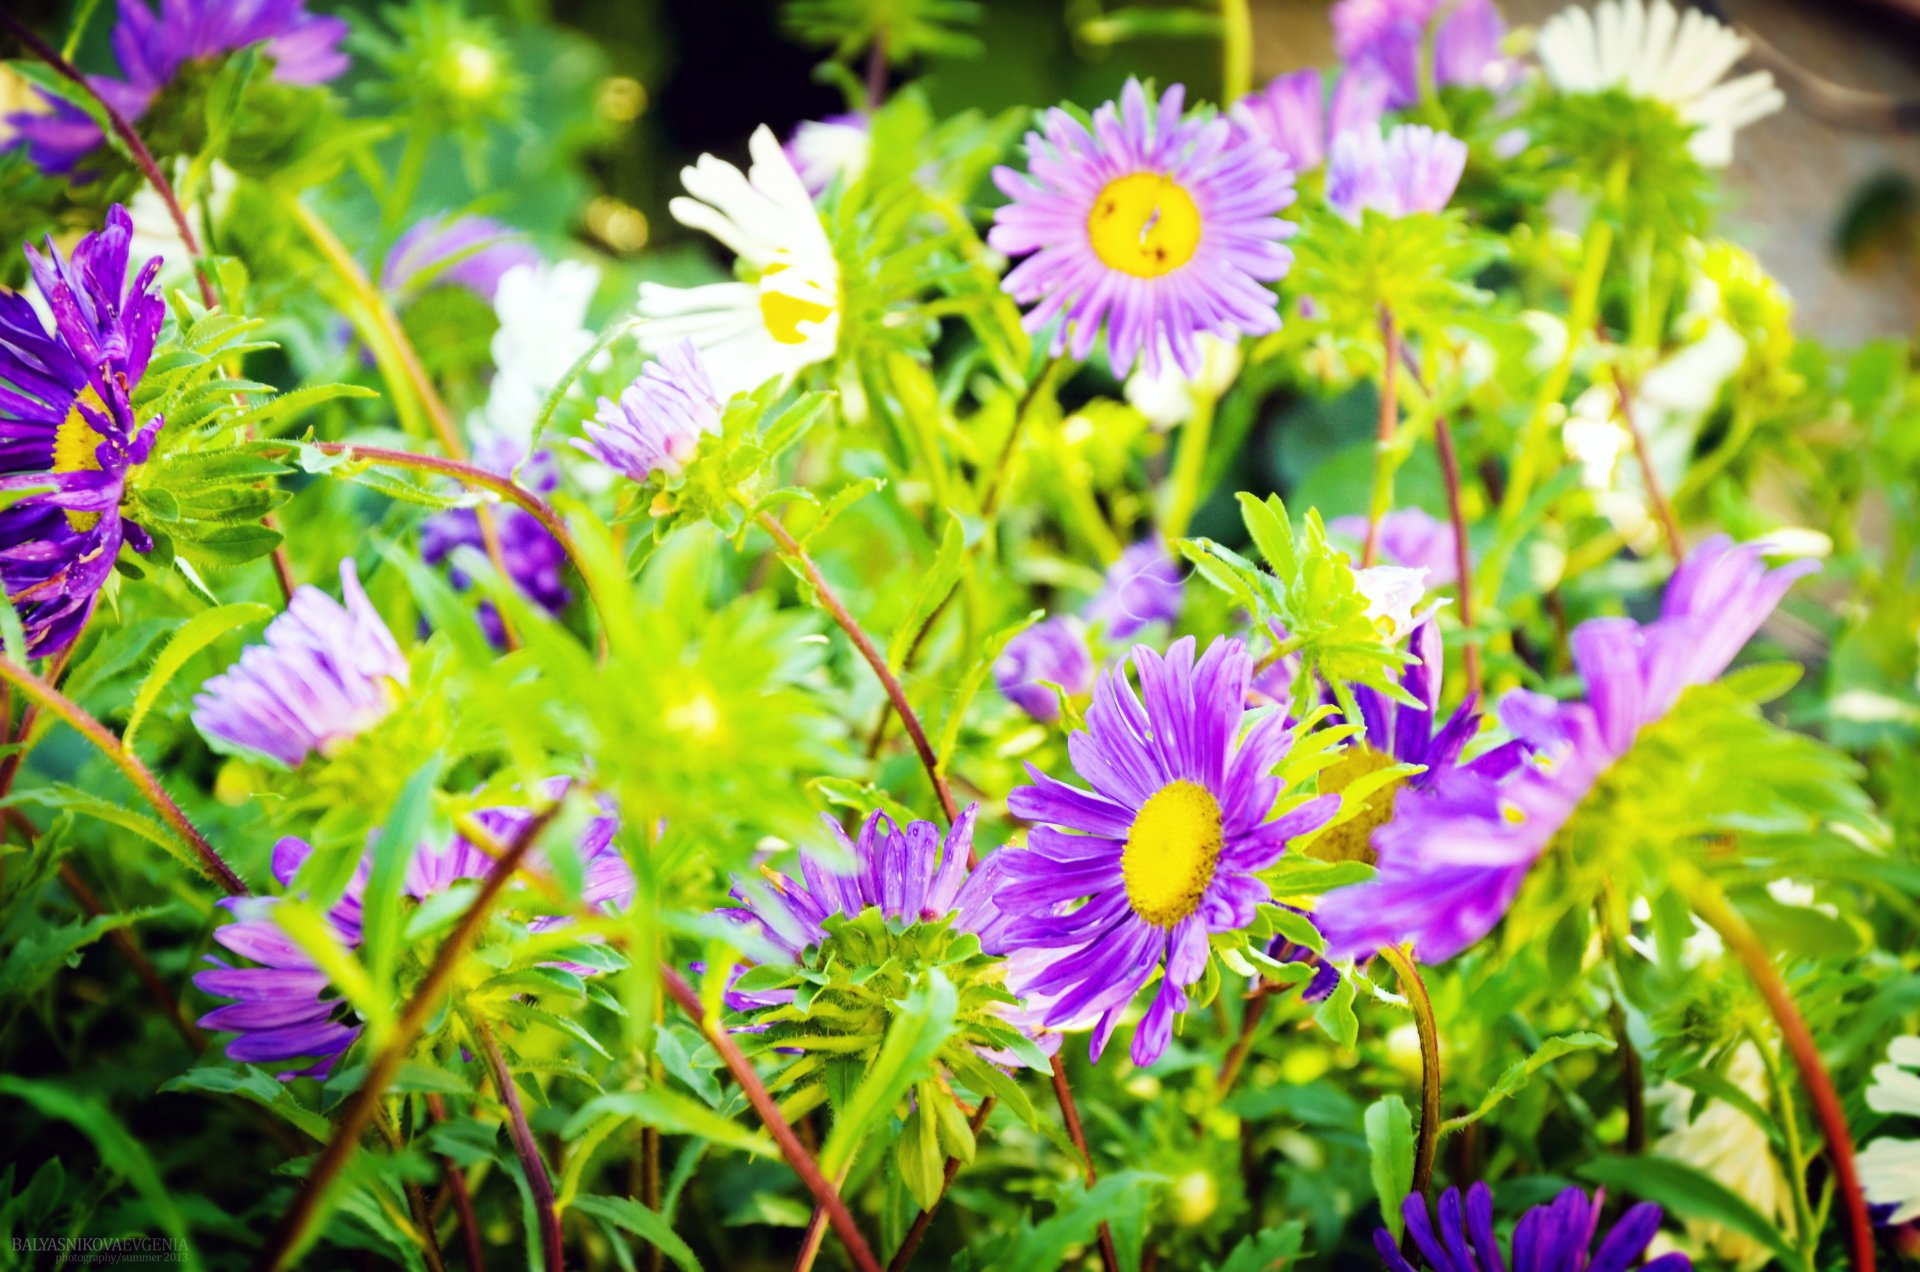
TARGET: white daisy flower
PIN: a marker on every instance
(1169, 398)
(788, 316)
(1890, 1168)
(543, 331)
(1652, 51)
(1723, 1142)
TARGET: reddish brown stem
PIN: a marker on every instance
(1255, 1007)
(553, 1253)
(1656, 493)
(829, 601)
(756, 1092)
(1416, 990)
(360, 1107)
(924, 1220)
(462, 1197)
(1462, 563)
(1070, 1114)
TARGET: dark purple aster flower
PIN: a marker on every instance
(534, 559)
(470, 252)
(67, 425)
(1458, 847)
(1554, 1237)
(1143, 586)
(324, 674)
(1162, 851)
(151, 50)
(1410, 169)
(1388, 38)
(281, 1008)
(1409, 537)
(1292, 115)
(1048, 654)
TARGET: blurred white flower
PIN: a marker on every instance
(543, 331)
(1654, 52)
(1890, 1168)
(1392, 593)
(1168, 399)
(788, 316)
(1723, 1142)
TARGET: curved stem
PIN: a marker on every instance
(924, 1220)
(1416, 990)
(462, 1197)
(51, 699)
(776, 1124)
(1382, 493)
(794, 552)
(1711, 904)
(552, 1252)
(289, 1239)
(1071, 1115)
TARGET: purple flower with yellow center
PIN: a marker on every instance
(325, 673)
(660, 418)
(282, 1008)
(1048, 655)
(469, 252)
(1292, 113)
(1410, 538)
(1153, 227)
(1389, 38)
(535, 561)
(152, 48)
(1408, 170)
(1557, 1236)
(1131, 877)
(1457, 847)
(67, 428)
(1142, 587)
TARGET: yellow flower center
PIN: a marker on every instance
(76, 448)
(783, 314)
(1145, 225)
(1172, 849)
(1352, 840)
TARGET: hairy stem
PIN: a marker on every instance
(1070, 1114)
(829, 601)
(1711, 904)
(924, 1220)
(51, 699)
(1416, 990)
(290, 1238)
(552, 1252)
(776, 1124)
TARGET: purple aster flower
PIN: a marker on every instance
(1052, 653)
(324, 674)
(470, 252)
(282, 1008)
(67, 428)
(1411, 169)
(534, 559)
(1554, 1237)
(823, 151)
(1411, 538)
(1458, 847)
(660, 418)
(1153, 227)
(151, 49)
(1292, 115)
(1162, 851)
(1388, 37)
(1143, 586)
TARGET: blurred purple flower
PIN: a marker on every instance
(470, 252)
(534, 559)
(1142, 587)
(823, 151)
(1411, 169)
(1292, 115)
(1388, 38)
(1051, 653)
(660, 418)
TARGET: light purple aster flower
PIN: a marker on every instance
(823, 151)
(1051, 653)
(470, 252)
(1153, 227)
(1142, 587)
(1162, 851)
(282, 1009)
(1292, 113)
(1388, 37)
(1457, 848)
(151, 49)
(660, 418)
(534, 559)
(324, 674)
(1412, 538)
(1411, 169)
(1554, 1237)
(67, 428)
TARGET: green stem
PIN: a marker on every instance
(1189, 463)
(1236, 50)
(1806, 1236)
(1416, 990)
(1383, 460)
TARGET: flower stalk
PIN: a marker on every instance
(1428, 1140)
(1070, 1114)
(552, 1250)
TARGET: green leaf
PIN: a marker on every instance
(631, 1216)
(1269, 1251)
(1689, 1194)
(941, 578)
(1389, 1126)
(61, 796)
(921, 1024)
(675, 1114)
(399, 839)
(195, 635)
(1336, 1014)
(1520, 1072)
(260, 1087)
(37, 956)
(1078, 1217)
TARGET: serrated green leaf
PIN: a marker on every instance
(195, 635)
